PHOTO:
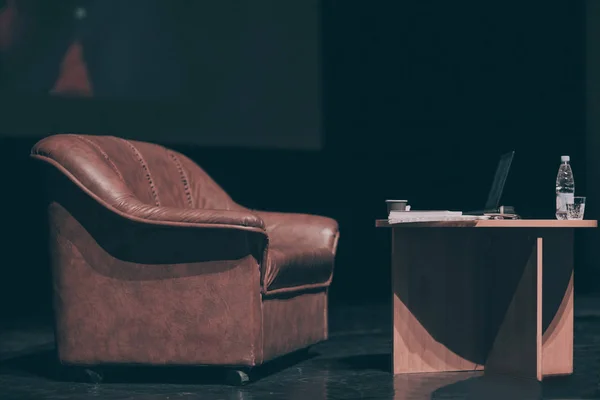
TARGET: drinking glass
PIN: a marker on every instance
(577, 209)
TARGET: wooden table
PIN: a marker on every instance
(488, 294)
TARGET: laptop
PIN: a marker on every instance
(492, 205)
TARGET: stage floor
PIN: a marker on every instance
(354, 364)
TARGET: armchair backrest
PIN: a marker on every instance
(117, 169)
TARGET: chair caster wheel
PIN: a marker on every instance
(305, 352)
(93, 376)
(237, 377)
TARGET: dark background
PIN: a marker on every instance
(416, 101)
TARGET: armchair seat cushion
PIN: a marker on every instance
(301, 251)
(297, 267)
(294, 267)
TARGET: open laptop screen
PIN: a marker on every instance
(493, 200)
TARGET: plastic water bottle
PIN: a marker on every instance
(565, 187)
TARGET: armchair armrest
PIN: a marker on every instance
(199, 234)
(176, 216)
(290, 228)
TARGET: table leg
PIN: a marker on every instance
(557, 309)
(517, 346)
(541, 312)
(468, 298)
(438, 307)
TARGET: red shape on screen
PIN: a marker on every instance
(73, 79)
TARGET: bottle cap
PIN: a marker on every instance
(565, 158)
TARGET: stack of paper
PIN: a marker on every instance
(421, 216)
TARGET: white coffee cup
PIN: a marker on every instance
(396, 205)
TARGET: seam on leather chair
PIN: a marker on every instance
(325, 315)
(292, 289)
(146, 169)
(103, 153)
(258, 354)
(184, 177)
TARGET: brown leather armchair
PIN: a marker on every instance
(153, 263)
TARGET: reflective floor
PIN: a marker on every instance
(354, 364)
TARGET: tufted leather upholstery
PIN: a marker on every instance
(154, 263)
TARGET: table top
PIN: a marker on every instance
(493, 223)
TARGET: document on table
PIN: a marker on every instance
(396, 217)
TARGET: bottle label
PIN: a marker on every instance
(562, 199)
